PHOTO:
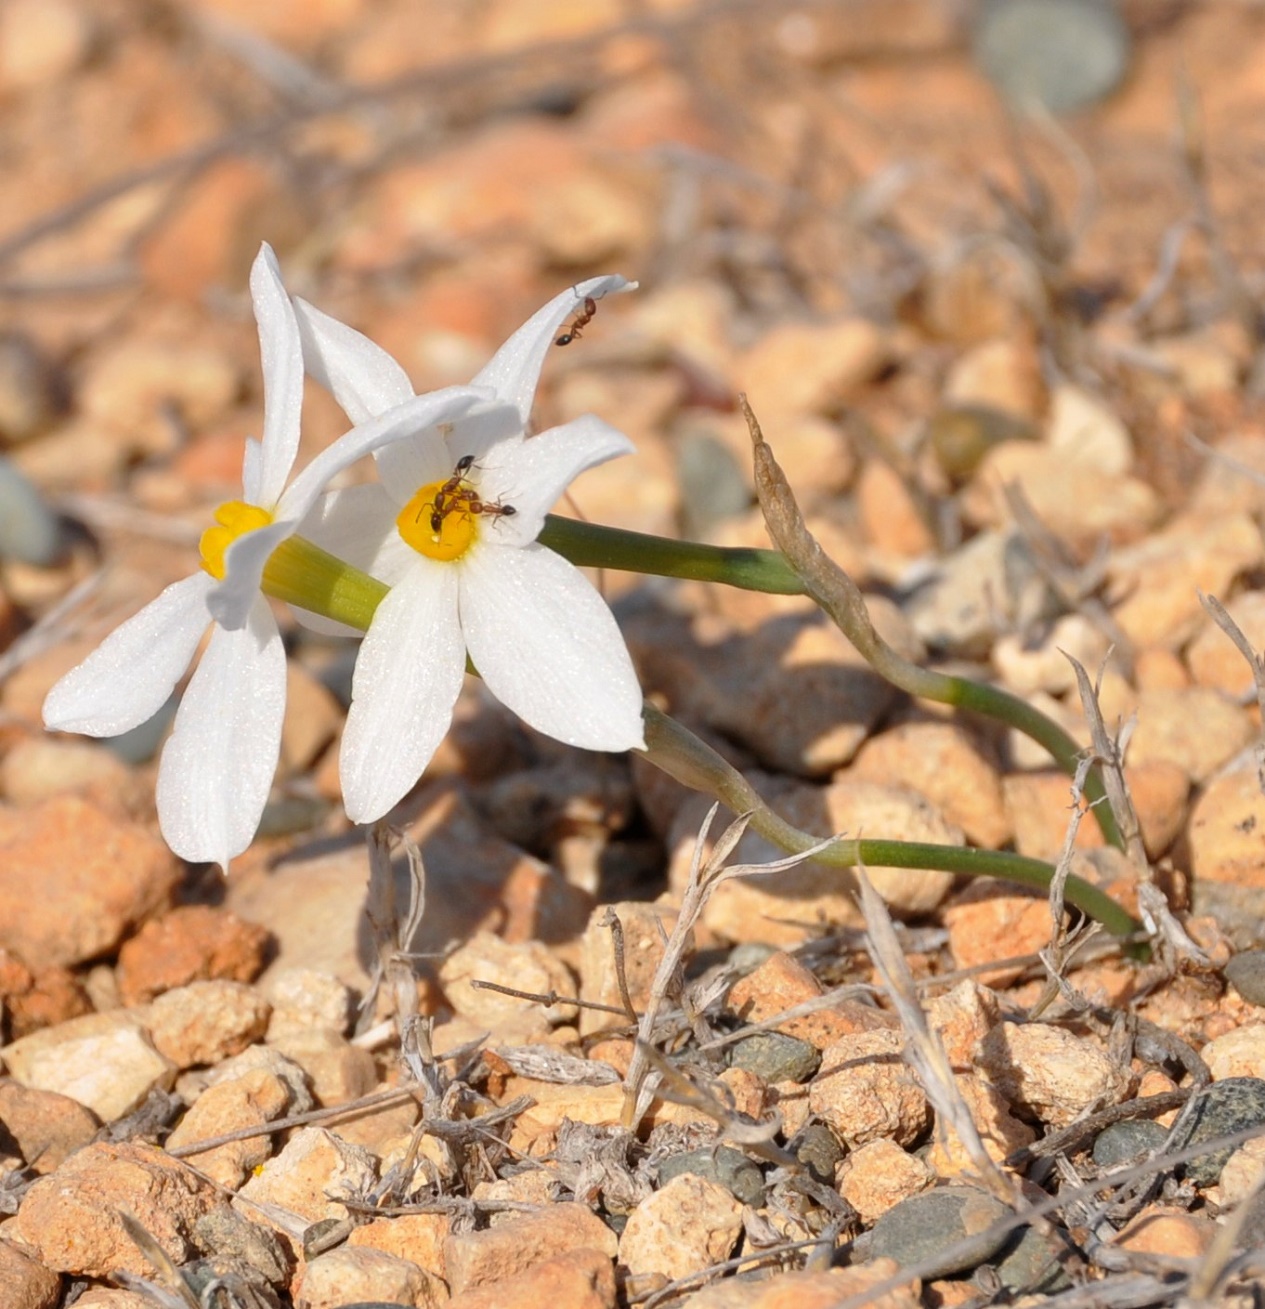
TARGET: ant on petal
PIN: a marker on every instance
(582, 320)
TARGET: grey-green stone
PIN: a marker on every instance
(776, 1057)
(1127, 1142)
(928, 1230)
(723, 1165)
(1227, 1106)
(30, 531)
(1247, 973)
(1032, 1263)
(818, 1149)
(1060, 54)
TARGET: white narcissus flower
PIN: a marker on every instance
(452, 529)
(218, 766)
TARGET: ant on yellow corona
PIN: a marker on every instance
(457, 495)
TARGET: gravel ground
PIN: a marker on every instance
(533, 1045)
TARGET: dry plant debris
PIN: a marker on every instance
(560, 1036)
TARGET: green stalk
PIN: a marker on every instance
(591, 546)
(302, 574)
(681, 754)
(770, 571)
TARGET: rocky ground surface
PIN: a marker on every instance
(238, 1092)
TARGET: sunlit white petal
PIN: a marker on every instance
(531, 475)
(252, 470)
(403, 466)
(282, 359)
(244, 560)
(129, 676)
(408, 676)
(217, 768)
(362, 377)
(548, 647)
(405, 420)
(513, 372)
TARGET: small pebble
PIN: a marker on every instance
(749, 955)
(922, 1229)
(1127, 1142)
(818, 1149)
(1227, 1106)
(1063, 54)
(776, 1057)
(713, 487)
(29, 530)
(1246, 971)
(723, 1165)
(1033, 1263)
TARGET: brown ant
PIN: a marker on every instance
(455, 495)
(496, 510)
(582, 320)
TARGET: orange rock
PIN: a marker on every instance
(879, 1175)
(46, 1127)
(1049, 1071)
(36, 999)
(191, 943)
(818, 1290)
(213, 234)
(27, 1283)
(1000, 1132)
(812, 368)
(962, 1018)
(1224, 831)
(864, 1091)
(98, 878)
(686, 1225)
(255, 1098)
(1159, 579)
(1197, 728)
(985, 925)
(336, 1278)
(1172, 1233)
(782, 982)
(475, 1259)
(1038, 805)
(71, 1219)
(889, 513)
(942, 762)
(579, 1279)
(418, 1238)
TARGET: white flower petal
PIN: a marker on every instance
(244, 560)
(218, 766)
(358, 525)
(531, 475)
(407, 420)
(129, 676)
(282, 359)
(363, 378)
(352, 523)
(512, 373)
(404, 466)
(548, 647)
(408, 676)
(252, 470)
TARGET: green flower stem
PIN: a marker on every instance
(303, 574)
(589, 545)
(682, 755)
